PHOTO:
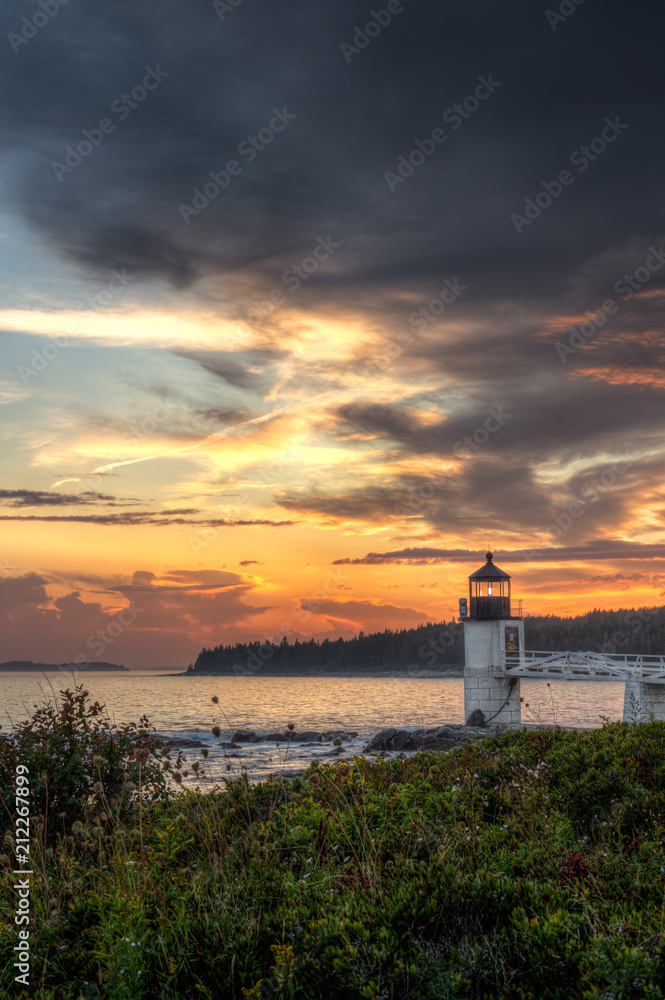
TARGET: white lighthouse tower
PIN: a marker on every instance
(490, 631)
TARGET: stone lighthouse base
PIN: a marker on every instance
(486, 687)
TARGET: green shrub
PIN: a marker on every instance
(79, 764)
(524, 867)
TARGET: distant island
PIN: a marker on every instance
(28, 665)
(432, 649)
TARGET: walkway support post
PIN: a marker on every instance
(641, 700)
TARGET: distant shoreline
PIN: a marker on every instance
(27, 667)
(349, 675)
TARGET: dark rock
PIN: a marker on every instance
(477, 718)
(230, 746)
(181, 742)
(437, 738)
(431, 742)
(448, 731)
(245, 736)
(309, 736)
(291, 737)
(381, 741)
(427, 739)
(389, 739)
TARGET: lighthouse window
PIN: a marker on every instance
(497, 588)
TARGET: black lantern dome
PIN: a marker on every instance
(489, 591)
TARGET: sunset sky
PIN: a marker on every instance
(418, 313)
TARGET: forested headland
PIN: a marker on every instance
(434, 646)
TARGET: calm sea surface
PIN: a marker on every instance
(182, 706)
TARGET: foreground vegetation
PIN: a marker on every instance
(529, 865)
(435, 646)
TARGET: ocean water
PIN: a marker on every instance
(182, 706)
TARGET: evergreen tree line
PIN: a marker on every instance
(436, 646)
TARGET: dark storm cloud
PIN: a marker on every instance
(494, 349)
(596, 550)
(367, 614)
(324, 173)
(507, 494)
(20, 590)
(366, 503)
(161, 518)
(181, 581)
(250, 375)
(559, 418)
(42, 498)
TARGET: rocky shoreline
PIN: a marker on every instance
(258, 754)
(388, 740)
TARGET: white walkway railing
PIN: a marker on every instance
(585, 666)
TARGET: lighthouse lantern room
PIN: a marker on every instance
(489, 591)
